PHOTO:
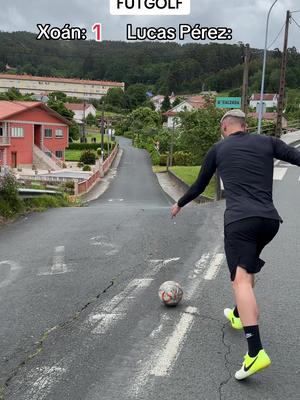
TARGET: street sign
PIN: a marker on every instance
(228, 102)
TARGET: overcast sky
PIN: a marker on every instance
(246, 18)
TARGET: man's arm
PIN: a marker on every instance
(207, 171)
(284, 152)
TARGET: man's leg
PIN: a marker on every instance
(256, 359)
(245, 298)
(235, 310)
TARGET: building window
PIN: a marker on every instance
(17, 132)
(59, 154)
(1, 131)
(48, 153)
(48, 133)
(59, 133)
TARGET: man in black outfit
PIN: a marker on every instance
(245, 163)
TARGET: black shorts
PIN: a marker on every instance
(245, 240)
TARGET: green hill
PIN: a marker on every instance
(164, 67)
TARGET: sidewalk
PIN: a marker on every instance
(291, 137)
(104, 182)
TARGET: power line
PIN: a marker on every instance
(296, 22)
(277, 36)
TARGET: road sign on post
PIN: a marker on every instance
(228, 102)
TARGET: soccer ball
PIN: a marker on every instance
(170, 293)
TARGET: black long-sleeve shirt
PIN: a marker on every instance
(245, 163)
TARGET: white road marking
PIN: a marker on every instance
(14, 269)
(157, 330)
(200, 265)
(58, 265)
(109, 248)
(156, 265)
(196, 277)
(279, 173)
(168, 356)
(160, 361)
(214, 267)
(116, 309)
(44, 379)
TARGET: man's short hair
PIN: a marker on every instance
(236, 115)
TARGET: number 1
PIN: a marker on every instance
(97, 28)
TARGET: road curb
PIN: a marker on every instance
(184, 186)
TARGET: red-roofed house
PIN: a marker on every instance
(190, 104)
(81, 110)
(270, 100)
(31, 134)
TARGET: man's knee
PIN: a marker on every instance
(242, 277)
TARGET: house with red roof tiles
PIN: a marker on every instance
(189, 104)
(32, 134)
(81, 110)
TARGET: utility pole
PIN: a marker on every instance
(282, 77)
(246, 79)
(83, 126)
(102, 134)
(172, 144)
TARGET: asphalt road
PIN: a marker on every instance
(79, 311)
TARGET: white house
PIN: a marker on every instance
(270, 100)
(190, 104)
(158, 100)
(81, 110)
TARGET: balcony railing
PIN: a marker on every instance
(4, 140)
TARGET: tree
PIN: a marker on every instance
(91, 120)
(198, 131)
(74, 132)
(116, 98)
(166, 105)
(176, 102)
(135, 96)
(58, 96)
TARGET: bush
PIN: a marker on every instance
(80, 165)
(88, 157)
(182, 158)
(163, 159)
(11, 202)
(86, 168)
(155, 157)
(128, 135)
(43, 202)
(88, 146)
(69, 186)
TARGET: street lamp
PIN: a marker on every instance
(264, 72)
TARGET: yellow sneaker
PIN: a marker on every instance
(236, 323)
(251, 365)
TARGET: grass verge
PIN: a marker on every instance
(189, 176)
(42, 203)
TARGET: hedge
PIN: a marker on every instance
(90, 146)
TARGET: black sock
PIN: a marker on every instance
(253, 339)
(236, 313)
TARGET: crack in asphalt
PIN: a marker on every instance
(226, 362)
(44, 337)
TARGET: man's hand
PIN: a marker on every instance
(175, 210)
